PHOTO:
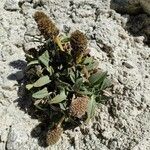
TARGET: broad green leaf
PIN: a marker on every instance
(58, 98)
(44, 58)
(34, 62)
(106, 83)
(78, 84)
(42, 81)
(92, 65)
(88, 60)
(97, 78)
(91, 108)
(41, 94)
(29, 86)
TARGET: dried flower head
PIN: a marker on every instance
(54, 135)
(78, 41)
(46, 26)
(78, 106)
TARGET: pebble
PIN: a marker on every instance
(128, 65)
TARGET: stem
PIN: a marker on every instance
(58, 42)
(61, 121)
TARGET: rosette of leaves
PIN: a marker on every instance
(60, 86)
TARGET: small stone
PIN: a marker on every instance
(11, 5)
(128, 65)
(112, 144)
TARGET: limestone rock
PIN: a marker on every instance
(11, 5)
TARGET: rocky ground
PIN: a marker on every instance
(122, 124)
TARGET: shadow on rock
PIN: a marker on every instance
(40, 132)
(18, 64)
(18, 76)
(25, 103)
(139, 20)
(139, 25)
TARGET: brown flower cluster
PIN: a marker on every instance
(78, 41)
(54, 135)
(78, 106)
(46, 26)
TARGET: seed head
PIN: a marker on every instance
(46, 26)
(54, 135)
(78, 41)
(78, 106)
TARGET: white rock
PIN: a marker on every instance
(11, 5)
(17, 138)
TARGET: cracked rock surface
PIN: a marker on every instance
(122, 124)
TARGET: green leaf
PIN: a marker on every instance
(58, 98)
(63, 106)
(92, 65)
(106, 83)
(71, 74)
(65, 39)
(88, 60)
(42, 81)
(91, 108)
(50, 70)
(34, 62)
(29, 86)
(78, 83)
(97, 78)
(63, 85)
(44, 58)
(85, 92)
(41, 94)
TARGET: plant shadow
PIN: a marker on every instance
(25, 103)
